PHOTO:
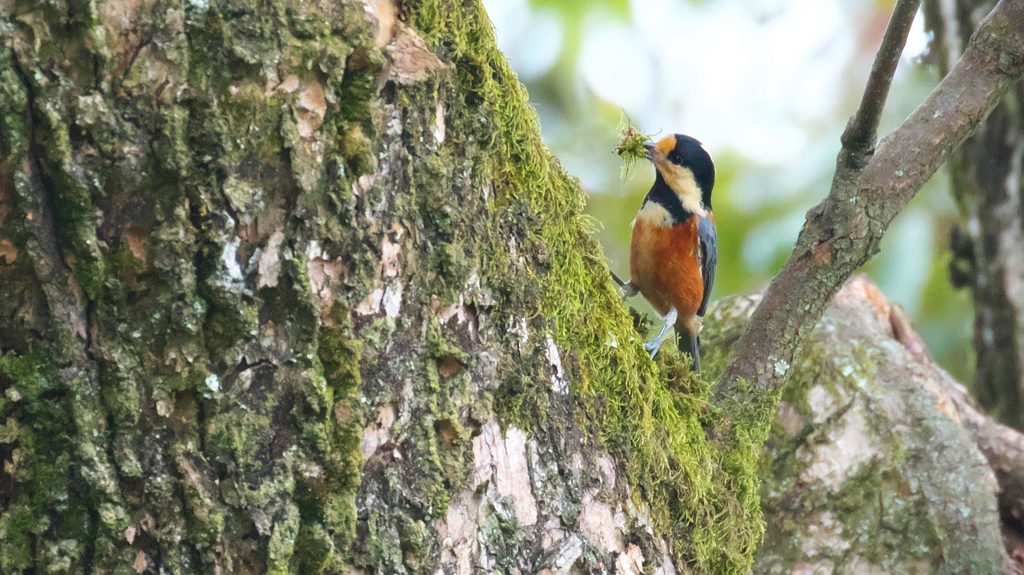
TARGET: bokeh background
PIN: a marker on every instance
(767, 86)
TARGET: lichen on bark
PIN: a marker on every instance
(868, 468)
(295, 287)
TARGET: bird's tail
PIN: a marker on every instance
(690, 345)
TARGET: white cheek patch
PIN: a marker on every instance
(681, 181)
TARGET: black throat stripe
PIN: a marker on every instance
(663, 195)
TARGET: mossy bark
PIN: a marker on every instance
(294, 287)
(870, 466)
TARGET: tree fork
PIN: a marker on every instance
(844, 230)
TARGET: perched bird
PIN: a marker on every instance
(674, 251)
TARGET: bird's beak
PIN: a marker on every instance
(649, 148)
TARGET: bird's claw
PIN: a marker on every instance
(655, 344)
(653, 347)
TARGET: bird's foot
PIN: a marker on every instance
(653, 346)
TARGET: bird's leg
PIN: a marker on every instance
(627, 287)
(655, 344)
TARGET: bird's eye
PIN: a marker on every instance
(675, 158)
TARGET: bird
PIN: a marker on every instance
(673, 255)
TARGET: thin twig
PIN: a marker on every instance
(862, 131)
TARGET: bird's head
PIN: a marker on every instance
(686, 167)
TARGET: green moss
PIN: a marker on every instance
(521, 400)
(47, 506)
(314, 549)
(631, 144)
(282, 542)
(339, 356)
(650, 413)
(489, 185)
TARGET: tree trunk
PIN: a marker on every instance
(294, 287)
(875, 462)
(986, 175)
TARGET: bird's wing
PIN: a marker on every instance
(707, 235)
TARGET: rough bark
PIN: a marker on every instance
(875, 462)
(868, 191)
(294, 287)
(987, 181)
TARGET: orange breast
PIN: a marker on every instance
(664, 265)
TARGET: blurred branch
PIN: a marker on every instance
(845, 229)
(935, 22)
(859, 137)
(985, 181)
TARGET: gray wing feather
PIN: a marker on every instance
(708, 237)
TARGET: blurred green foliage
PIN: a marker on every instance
(580, 129)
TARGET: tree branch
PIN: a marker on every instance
(845, 229)
(859, 137)
(938, 46)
